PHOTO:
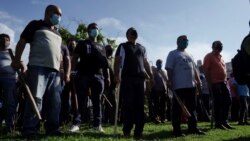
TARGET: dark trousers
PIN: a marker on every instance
(132, 92)
(159, 103)
(187, 96)
(243, 108)
(222, 102)
(94, 83)
(235, 107)
(206, 102)
(69, 101)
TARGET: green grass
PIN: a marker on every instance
(151, 132)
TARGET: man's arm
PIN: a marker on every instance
(67, 68)
(16, 63)
(170, 78)
(117, 72)
(149, 71)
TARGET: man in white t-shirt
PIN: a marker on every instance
(183, 80)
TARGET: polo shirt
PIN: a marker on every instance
(214, 65)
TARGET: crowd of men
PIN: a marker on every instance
(80, 82)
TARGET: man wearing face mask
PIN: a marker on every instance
(183, 80)
(159, 93)
(215, 71)
(132, 65)
(8, 80)
(43, 76)
(92, 69)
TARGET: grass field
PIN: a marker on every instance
(151, 132)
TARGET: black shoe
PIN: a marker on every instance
(247, 123)
(222, 127)
(196, 131)
(179, 134)
(241, 123)
(228, 126)
(31, 137)
(126, 135)
(137, 136)
(54, 133)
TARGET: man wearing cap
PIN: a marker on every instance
(215, 71)
(132, 65)
(183, 80)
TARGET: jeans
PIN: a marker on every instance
(9, 97)
(94, 83)
(44, 84)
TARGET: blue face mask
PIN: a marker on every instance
(93, 33)
(183, 44)
(55, 19)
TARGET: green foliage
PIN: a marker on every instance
(82, 33)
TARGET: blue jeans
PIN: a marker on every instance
(9, 97)
(96, 84)
(44, 84)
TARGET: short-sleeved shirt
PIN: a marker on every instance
(183, 68)
(6, 71)
(45, 45)
(160, 78)
(214, 65)
(65, 53)
(242, 90)
(92, 57)
(133, 64)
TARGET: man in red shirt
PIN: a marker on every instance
(215, 71)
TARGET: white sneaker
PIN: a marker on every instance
(74, 128)
(99, 129)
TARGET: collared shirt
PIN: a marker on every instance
(215, 67)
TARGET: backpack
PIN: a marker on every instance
(241, 64)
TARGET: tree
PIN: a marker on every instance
(82, 33)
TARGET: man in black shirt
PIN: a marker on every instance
(131, 63)
(91, 72)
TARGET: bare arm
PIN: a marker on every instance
(170, 78)
(148, 68)
(67, 68)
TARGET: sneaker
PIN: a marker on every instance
(74, 128)
(99, 129)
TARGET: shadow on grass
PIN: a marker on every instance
(239, 139)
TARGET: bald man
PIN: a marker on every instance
(43, 71)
